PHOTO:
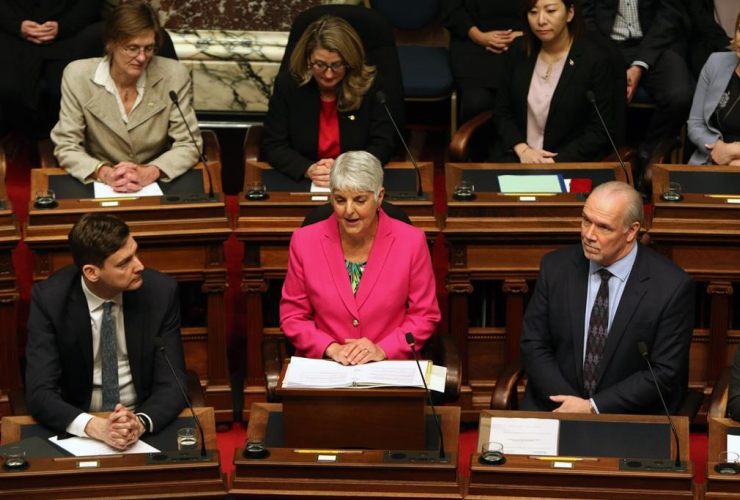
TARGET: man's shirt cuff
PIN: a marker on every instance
(149, 425)
(593, 403)
(640, 64)
(77, 427)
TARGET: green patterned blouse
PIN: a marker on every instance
(355, 271)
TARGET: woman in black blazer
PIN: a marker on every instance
(568, 129)
(325, 105)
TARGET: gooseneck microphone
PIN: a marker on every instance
(176, 102)
(644, 353)
(380, 96)
(159, 344)
(412, 345)
(592, 99)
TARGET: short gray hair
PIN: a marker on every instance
(634, 211)
(357, 171)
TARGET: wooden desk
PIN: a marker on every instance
(182, 240)
(10, 376)
(266, 227)
(285, 474)
(719, 486)
(117, 476)
(702, 235)
(496, 243)
(522, 477)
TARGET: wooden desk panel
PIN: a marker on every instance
(701, 234)
(292, 475)
(719, 486)
(10, 376)
(118, 476)
(266, 227)
(495, 244)
(182, 240)
(521, 477)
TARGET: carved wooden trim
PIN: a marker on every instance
(216, 255)
(459, 256)
(255, 286)
(515, 287)
(213, 287)
(720, 288)
(9, 298)
(251, 255)
(459, 288)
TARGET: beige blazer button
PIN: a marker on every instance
(355, 322)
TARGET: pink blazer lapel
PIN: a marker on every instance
(332, 247)
(376, 261)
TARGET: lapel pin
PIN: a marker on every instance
(151, 104)
(572, 63)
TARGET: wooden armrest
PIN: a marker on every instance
(461, 139)
(3, 166)
(504, 396)
(720, 395)
(448, 355)
(628, 156)
(252, 144)
(46, 154)
(17, 399)
(272, 364)
(197, 398)
(691, 405)
(211, 147)
(660, 154)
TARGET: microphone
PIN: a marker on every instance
(380, 96)
(591, 97)
(644, 353)
(159, 344)
(176, 102)
(412, 345)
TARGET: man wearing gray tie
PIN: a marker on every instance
(592, 305)
(91, 340)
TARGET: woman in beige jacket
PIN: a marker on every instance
(117, 123)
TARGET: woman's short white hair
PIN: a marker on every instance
(357, 171)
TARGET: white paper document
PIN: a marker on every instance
(733, 444)
(88, 447)
(526, 436)
(317, 189)
(105, 191)
(531, 183)
(326, 374)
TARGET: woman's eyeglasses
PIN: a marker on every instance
(321, 67)
(135, 50)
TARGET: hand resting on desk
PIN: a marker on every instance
(128, 177)
(355, 352)
(120, 430)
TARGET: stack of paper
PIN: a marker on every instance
(326, 374)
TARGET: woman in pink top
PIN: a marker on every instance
(358, 281)
(542, 114)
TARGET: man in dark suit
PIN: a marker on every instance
(91, 340)
(733, 397)
(593, 303)
(646, 33)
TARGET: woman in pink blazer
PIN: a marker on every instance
(359, 280)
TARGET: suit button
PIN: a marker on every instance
(355, 322)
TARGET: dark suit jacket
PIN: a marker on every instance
(733, 401)
(60, 354)
(469, 61)
(25, 57)
(573, 129)
(704, 27)
(660, 20)
(291, 134)
(656, 307)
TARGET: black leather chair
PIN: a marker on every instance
(380, 50)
